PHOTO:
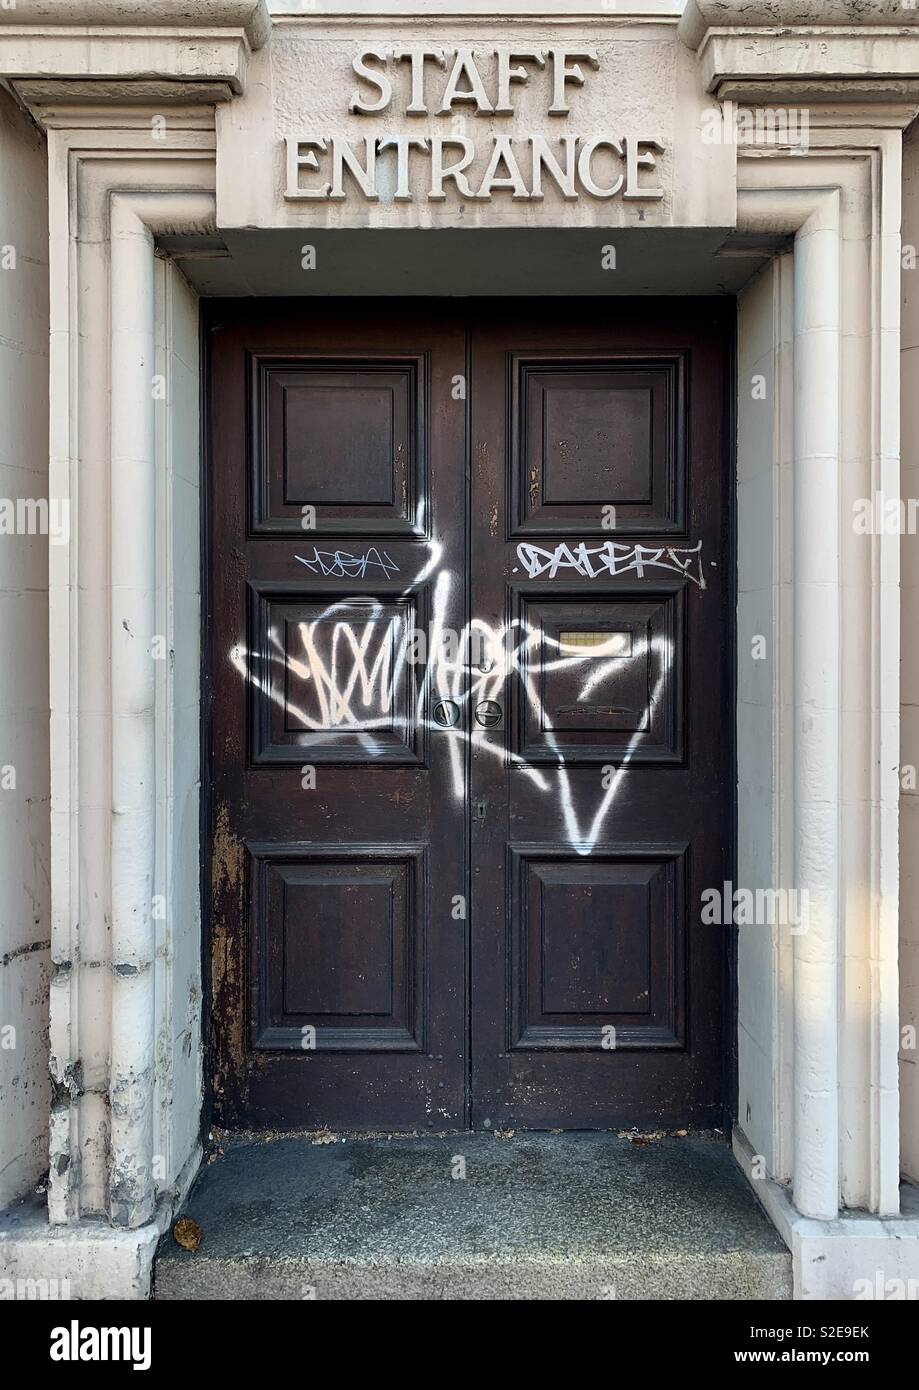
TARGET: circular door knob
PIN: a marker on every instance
(446, 713)
(488, 713)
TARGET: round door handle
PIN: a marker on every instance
(446, 713)
(488, 713)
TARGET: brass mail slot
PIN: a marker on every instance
(596, 644)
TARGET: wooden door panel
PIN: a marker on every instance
(578, 984)
(332, 675)
(343, 435)
(338, 946)
(599, 678)
(337, 803)
(601, 565)
(591, 431)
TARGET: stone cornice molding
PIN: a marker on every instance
(181, 51)
(791, 52)
(250, 16)
(702, 16)
(171, 52)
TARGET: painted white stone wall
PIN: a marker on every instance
(909, 670)
(177, 989)
(24, 807)
(764, 455)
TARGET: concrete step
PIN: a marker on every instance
(536, 1216)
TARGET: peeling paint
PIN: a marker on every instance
(66, 1082)
(125, 968)
(228, 879)
(28, 950)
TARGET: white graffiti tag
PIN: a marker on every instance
(611, 558)
(358, 669)
(342, 564)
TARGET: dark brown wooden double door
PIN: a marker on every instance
(469, 742)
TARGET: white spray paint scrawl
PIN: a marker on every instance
(355, 675)
(342, 564)
(611, 558)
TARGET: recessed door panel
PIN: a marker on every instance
(596, 437)
(598, 950)
(339, 441)
(338, 948)
(599, 677)
(334, 680)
